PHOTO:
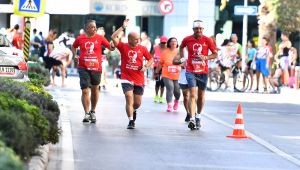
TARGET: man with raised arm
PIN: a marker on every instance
(132, 70)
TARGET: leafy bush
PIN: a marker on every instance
(22, 126)
(38, 97)
(38, 74)
(8, 159)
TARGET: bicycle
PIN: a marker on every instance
(216, 78)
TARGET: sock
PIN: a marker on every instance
(130, 118)
(192, 119)
(198, 115)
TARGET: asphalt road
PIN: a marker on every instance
(162, 140)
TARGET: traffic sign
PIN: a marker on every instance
(166, 6)
(29, 8)
(245, 10)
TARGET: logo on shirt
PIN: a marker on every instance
(132, 56)
(89, 46)
(197, 49)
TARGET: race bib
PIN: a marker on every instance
(173, 69)
(198, 65)
(91, 63)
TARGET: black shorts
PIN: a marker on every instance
(184, 86)
(249, 65)
(138, 90)
(50, 62)
(88, 78)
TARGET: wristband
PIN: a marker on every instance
(181, 60)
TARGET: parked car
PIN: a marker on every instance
(12, 64)
(8, 48)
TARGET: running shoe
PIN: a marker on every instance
(278, 90)
(198, 125)
(169, 108)
(156, 99)
(161, 100)
(187, 118)
(131, 124)
(86, 117)
(192, 125)
(134, 115)
(92, 117)
(175, 107)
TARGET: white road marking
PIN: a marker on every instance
(66, 136)
(260, 141)
(289, 137)
(67, 144)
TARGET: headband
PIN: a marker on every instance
(198, 24)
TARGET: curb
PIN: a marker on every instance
(40, 161)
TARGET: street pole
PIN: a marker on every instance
(244, 39)
(26, 38)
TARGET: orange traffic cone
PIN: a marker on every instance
(239, 129)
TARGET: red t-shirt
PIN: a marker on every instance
(90, 51)
(195, 48)
(17, 41)
(132, 62)
(156, 55)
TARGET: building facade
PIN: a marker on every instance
(144, 15)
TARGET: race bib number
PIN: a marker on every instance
(198, 65)
(91, 63)
(173, 69)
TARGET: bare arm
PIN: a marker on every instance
(69, 57)
(158, 68)
(179, 58)
(213, 55)
(115, 35)
(147, 65)
(74, 51)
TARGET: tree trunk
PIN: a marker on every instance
(266, 23)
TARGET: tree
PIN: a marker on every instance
(267, 24)
(288, 15)
(278, 14)
(274, 15)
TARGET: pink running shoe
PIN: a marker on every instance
(175, 107)
(169, 109)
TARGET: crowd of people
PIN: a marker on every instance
(179, 68)
(276, 68)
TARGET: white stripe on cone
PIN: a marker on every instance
(239, 126)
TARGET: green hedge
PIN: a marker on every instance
(8, 159)
(38, 74)
(22, 125)
(38, 97)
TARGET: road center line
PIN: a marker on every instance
(259, 140)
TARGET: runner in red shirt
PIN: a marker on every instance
(197, 68)
(89, 67)
(132, 70)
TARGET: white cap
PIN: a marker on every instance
(198, 23)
